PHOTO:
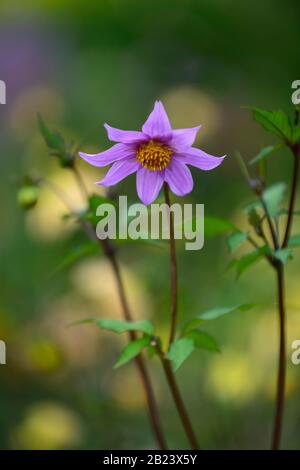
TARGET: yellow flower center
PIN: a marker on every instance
(154, 155)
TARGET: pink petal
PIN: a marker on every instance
(199, 159)
(126, 137)
(148, 184)
(179, 178)
(115, 153)
(119, 171)
(158, 124)
(183, 138)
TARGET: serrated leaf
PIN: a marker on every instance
(283, 255)
(216, 226)
(236, 239)
(294, 240)
(121, 326)
(203, 340)
(131, 350)
(179, 351)
(54, 140)
(277, 122)
(265, 152)
(215, 313)
(248, 260)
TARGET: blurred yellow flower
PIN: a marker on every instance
(188, 103)
(47, 426)
(233, 377)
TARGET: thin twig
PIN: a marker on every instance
(173, 268)
(270, 223)
(281, 304)
(281, 362)
(179, 404)
(295, 150)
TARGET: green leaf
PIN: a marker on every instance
(203, 340)
(277, 122)
(253, 218)
(273, 196)
(179, 351)
(283, 255)
(121, 326)
(296, 134)
(133, 349)
(86, 249)
(265, 152)
(255, 221)
(235, 240)
(294, 240)
(215, 313)
(248, 260)
(215, 226)
(54, 140)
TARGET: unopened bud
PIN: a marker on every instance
(257, 186)
(28, 196)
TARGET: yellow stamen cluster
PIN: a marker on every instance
(154, 156)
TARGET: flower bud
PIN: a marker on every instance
(28, 196)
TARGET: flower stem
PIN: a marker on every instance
(151, 402)
(282, 360)
(142, 370)
(179, 403)
(270, 223)
(173, 268)
(292, 197)
(281, 303)
(165, 362)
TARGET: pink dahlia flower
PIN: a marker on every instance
(157, 154)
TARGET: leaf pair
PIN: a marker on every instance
(192, 338)
(135, 347)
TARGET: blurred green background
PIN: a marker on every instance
(83, 63)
